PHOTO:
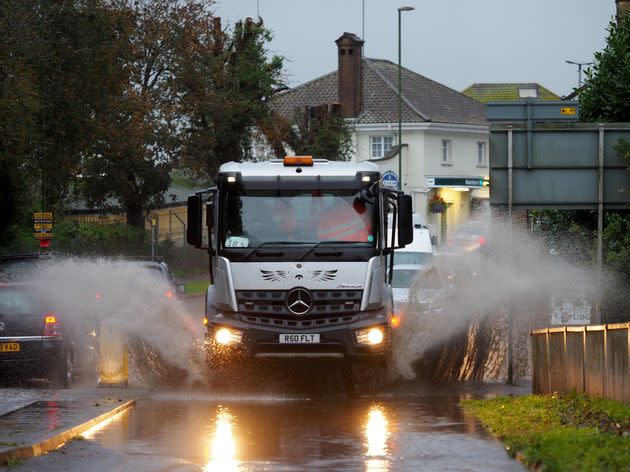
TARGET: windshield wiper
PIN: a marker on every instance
(322, 243)
(262, 245)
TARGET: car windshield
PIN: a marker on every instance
(413, 258)
(156, 271)
(17, 300)
(296, 217)
(403, 278)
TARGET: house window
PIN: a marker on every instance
(447, 158)
(482, 158)
(381, 145)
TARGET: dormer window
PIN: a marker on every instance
(528, 93)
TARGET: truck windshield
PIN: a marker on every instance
(253, 218)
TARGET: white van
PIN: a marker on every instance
(420, 251)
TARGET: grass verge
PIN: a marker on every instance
(196, 287)
(559, 432)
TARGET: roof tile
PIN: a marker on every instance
(423, 98)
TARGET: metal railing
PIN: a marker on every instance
(590, 359)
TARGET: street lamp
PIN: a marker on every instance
(580, 65)
(400, 10)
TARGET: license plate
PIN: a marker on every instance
(9, 347)
(299, 338)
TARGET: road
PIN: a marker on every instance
(200, 431)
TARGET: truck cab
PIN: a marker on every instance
(298, 259)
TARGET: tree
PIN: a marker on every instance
(55, 71)
(18, 112)
(130, 162)
(605, 97)
(319, 131)
(606, 93)
(226, 80)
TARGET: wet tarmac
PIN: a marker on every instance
(196, 431)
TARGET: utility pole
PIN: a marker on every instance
(363, 22)
(580, 65)
(400, 10)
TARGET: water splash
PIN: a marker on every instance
(159, 330)
(461, 333)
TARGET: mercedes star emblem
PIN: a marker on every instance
(299, 301)
(2, 326)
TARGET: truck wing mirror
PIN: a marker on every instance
(405, 220)
(193, 227)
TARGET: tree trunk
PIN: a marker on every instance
(135, 216)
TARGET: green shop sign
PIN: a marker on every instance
(455, 182)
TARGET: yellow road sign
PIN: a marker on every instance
(42, 215)
(568, 111)
(42, 226)
(43, 235)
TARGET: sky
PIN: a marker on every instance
(454, 42)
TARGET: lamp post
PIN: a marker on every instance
(580, 65)
(400, 10)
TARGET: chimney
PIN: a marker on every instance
(622, 8)
(350, 74)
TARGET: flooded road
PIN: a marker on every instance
(203, 432)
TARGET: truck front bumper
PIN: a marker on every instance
(339, 341)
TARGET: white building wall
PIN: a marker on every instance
(422, 158)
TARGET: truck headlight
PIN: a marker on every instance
(372, 336)
(225, 336)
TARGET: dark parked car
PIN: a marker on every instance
(33, 339)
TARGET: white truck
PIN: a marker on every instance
(299, 260)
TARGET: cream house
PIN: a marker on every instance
(444, 133)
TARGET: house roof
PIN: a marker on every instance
(423, 99)
(507, 91)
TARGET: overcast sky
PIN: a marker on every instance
(454, 42)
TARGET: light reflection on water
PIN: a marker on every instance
(223, 444)
(376, 436)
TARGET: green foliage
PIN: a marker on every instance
(131, 162)
(321, 132)
(114, 239)
(566, 432)
(617, 242)
(570, 234)
(196, 287)
(606, 94)
(106, 96)
(225, 82)
(605, 97)
(13, 462)
(47, 110)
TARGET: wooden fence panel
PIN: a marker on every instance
(591, 359)
(594, 362)
(617, 372)
(540, 381)
(557, 361)
(575, 360)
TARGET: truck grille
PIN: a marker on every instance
(298, 324)
(325, 303)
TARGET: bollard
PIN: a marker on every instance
(113, 356)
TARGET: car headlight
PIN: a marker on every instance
(226, 336)
(373, 336)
